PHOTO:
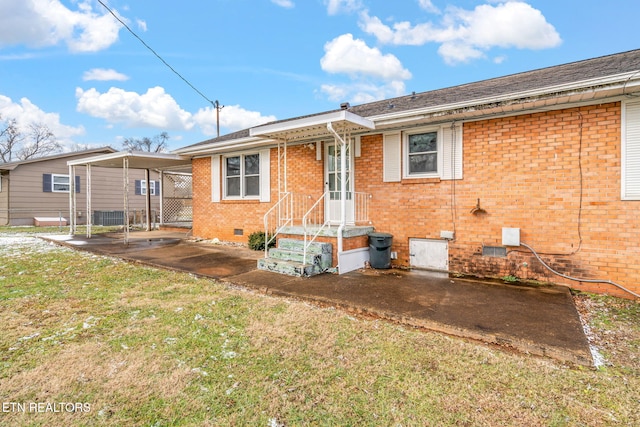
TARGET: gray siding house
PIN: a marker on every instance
(35, 190)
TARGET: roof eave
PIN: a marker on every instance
(561, 94)
(225, 146)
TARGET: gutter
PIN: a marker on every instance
(622, 82)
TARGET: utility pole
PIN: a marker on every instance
(218, 107)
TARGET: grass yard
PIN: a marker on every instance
(122, 344)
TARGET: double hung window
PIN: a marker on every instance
(242, 176)
(422, 154)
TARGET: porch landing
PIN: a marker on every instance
(330, 231)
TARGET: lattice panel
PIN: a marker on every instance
(177, 203)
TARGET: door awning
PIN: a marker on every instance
(314, 127)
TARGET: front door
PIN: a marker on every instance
(333, 176)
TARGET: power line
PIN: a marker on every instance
(215, 103)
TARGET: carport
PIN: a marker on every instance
(161, 162)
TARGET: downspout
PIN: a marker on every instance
(343, 188)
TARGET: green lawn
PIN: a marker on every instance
(135, 345)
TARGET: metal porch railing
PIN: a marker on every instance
(319, 216)
(287, 211)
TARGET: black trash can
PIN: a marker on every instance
(380, 250)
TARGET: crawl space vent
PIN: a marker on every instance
(494, 251)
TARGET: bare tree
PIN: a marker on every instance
(18, 145)
(41, 142)
(10, 139)
(157, 144)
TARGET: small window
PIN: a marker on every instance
(141, 187)
(60, 183)
(57, 183)
(421, 154)
(242, 176)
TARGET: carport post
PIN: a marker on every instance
(161, 190)
(125, 176)
(72, 200)
(147, 175)
(89, 216)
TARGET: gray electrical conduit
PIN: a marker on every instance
(577, 279)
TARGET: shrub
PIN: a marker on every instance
(257, 239)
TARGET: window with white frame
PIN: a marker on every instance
(421, 154)
(143, 187)
(59, 183)
(433, 152)
(242, 176)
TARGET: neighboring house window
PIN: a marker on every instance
(242, 176)
(56, 183)
(422, 154)
(141, 187)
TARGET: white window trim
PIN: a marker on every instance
(405, 153)
(241, 176)
(143, 187)
(53, 183)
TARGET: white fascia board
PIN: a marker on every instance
(221, 146)
(624, 81)
(229, 146)
(306, 122)
(107, 158)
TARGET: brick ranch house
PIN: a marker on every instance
(467, 179)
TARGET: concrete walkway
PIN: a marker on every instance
(538, 320)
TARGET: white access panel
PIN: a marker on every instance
(429, 254)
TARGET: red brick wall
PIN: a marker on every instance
(219, 220)
(526, 172)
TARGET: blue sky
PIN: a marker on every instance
(71, 65)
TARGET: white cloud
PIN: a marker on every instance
(347, 55)
(466, 35)
(103, 74)
(26, 113)
(335, 7)
(287, 4)
(41, 23)
(232, 118)
(428, 6)
(362, 92)
(142, 25)
(155, 108)
(373, 75)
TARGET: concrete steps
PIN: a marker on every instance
(287, 258)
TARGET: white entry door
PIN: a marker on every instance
(333, 177)
(429, 254)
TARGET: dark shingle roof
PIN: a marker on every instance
(601, 67)
(530, 80)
